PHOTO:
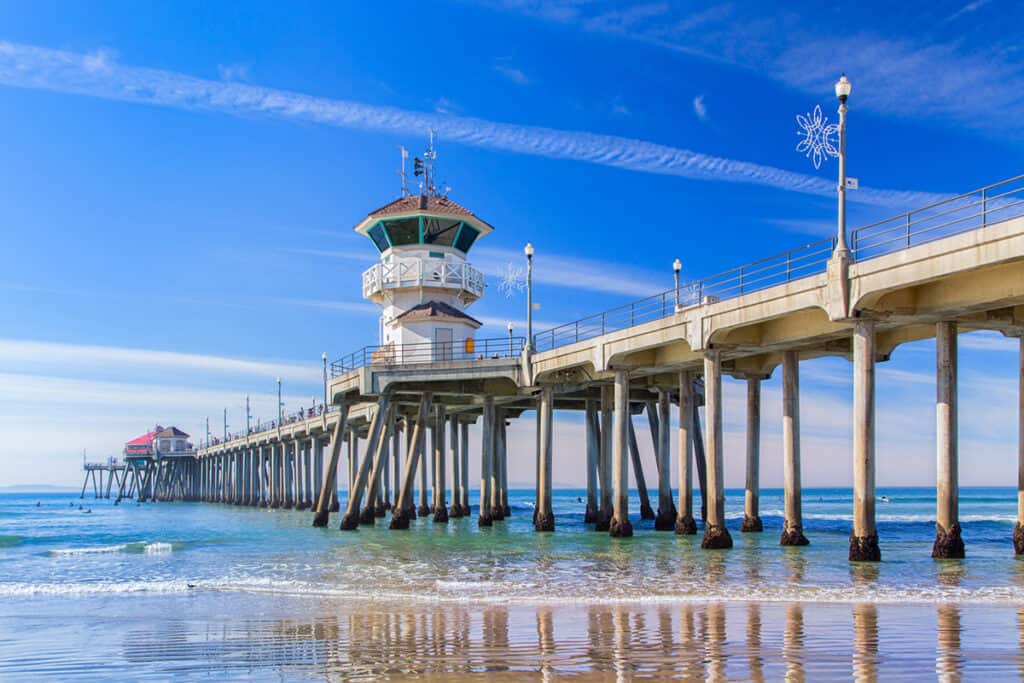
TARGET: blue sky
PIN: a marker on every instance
(180, 180)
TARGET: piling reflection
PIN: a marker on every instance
(688, 641)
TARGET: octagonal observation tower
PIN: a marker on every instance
(423, 282)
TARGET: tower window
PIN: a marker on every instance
(403, 231)
(376, 234)
(467, 236)
(440, 231)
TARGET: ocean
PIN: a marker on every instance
(205, 591)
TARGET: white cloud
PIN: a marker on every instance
(699, 108)
(233, 72)
(18, 353)
(33, 67)
(512, 73)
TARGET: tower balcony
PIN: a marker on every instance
(460, 278)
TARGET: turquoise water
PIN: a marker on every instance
(134, 590)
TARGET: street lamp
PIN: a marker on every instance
(843, 87)
(323, 357)
(248, 417)
(511, 345)
(528, 250)
(677, 266)
(280, 403)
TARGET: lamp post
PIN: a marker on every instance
(248, 417)
(676, 267)
(511, 346)
(225, 425)
(528, 250)
(280, 404)
(323, 357)
(843, 87)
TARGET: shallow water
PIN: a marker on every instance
(196, 590)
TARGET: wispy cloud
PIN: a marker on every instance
(512, 73)
(233, 72)
(446, 106)
(988, 341)
(19, 353)
(28, 66)
(699, 108)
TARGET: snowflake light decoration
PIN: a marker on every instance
(819, 136)
(513, 281)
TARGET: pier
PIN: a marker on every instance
(950, 267)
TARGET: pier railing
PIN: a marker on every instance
(969, 211)
(429, 352)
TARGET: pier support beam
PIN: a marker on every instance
(948, 543)
(620, 526)
(404, 510)
(455, 509)
(864, 535)
(379, 452)
(1018, 528)
(715, 533)
(396, 460)
(424, 508)
(503, 459)
(593, 439)
(355, 496)
(638, 467)
(440, 491)
(752, 494)
(544, 520)
(330, 480)
(604, 463)
(464, 488)
(497, 509)
(685, 526)
(666, 519)
(486, 463)
(792, 525)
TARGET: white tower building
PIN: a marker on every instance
(423, 282)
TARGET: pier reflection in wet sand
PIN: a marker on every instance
(688, 641)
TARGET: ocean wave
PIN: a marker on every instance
(8, 541)
(881, 517)
(138, 547)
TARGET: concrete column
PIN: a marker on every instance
(545, 517)
(948, 543)
(329, 486)
(440, 489)
(593, 439)
(455, 509)
(424, 508)
(289, 474)
(396, 456)
(605, 460)
(379, 506)
(1018, 528)
(792, 525)
(373, 443)
(374, 507)
(715, 533)
(314, 446)
(386, 473)
(273, 475)
(634, 456)
(864, 536)
(486, 463)
(318, 472)
(685, 525)
(239, 477)
(404, 509)
(497, 512)
(503, 457)
(464, 473)
(353, 458)
(620, 526)
(666, 519)
(752, 494)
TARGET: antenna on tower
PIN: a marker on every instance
(425, 167)
(405, 157)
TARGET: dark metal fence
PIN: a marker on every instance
(429, 352)
(988, 205)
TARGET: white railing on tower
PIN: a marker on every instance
(423, 273)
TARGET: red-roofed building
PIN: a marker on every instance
(160, 440)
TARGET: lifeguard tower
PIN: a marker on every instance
(423, 282)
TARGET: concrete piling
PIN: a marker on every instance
(544, 520)
(593, 438)
(685, 525)
(455, 509)
(486, 463)
(864, 535)
(666, 517)
(404, 510)
(1018, 528)
(638, 468)
(948, 543)
(440, 465)
(620, 526)
(752, 492)
(604, 466)
(715, 533)
(792, 526)
(464, 471)
(350, 521)
(330, 481)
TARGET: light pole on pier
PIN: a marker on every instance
(676, 267)
(843, 88)
(528, 250)
(280, 403)
(225, 425)
(207, 431)
(248, 417)
(323, 357)
(511, 345)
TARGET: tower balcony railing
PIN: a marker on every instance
(429, 352)
(423, 273)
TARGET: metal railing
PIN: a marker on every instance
(423, 273)
(988, 205)
(429, 352)
(271, 425)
